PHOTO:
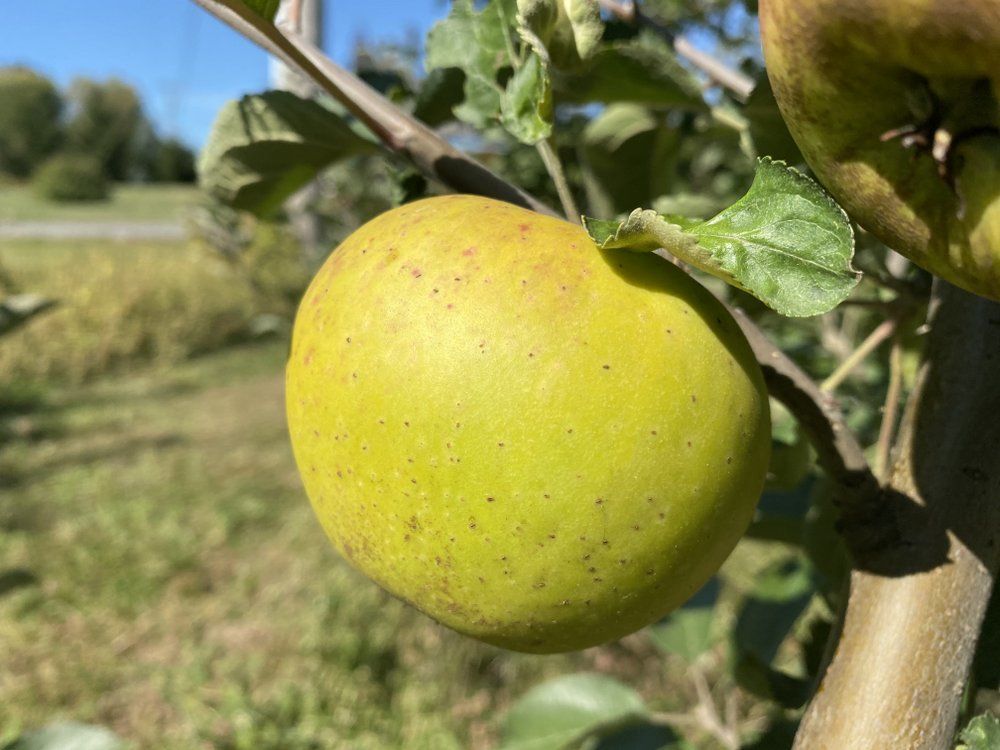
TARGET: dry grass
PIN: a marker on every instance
(118, 304)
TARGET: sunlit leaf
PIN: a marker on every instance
(687, 631)
(67, 736)
(565, 710)
(982, 733)
(786, 242)
(264, 147)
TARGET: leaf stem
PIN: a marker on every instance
(555, 169)
(881, 333)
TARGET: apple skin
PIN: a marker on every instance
(847, 74)
(537, 443)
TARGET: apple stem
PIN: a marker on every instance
(555, 169)
(917, 602)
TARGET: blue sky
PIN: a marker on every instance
(184, 63)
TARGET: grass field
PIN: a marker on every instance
(186, 597)
(119, 304)
(127, 203)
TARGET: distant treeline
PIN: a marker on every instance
(101, 122)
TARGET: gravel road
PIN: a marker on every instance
(93, 230)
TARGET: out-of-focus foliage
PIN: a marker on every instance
(69, 177)
(105, 121)
(172, 161)
(67, 736)
(30, 112)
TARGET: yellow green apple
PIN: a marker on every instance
(894, 105)
(537, 443)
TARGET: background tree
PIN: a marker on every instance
(30, 126)
(106, 121)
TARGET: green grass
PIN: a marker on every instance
(127, 203)
(186, 597)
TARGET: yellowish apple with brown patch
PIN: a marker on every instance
(894, 105)
(537, 443)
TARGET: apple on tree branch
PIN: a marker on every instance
(838, 450)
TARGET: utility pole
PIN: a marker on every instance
(306, 17)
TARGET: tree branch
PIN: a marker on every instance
(739, 83)
(399, 132)
(856, 490)
(912, 623)
(838, 452)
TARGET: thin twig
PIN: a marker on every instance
(708, 713)
(882, 332)
(400, 132)
(890, 411)
(856, 490)
(555, 169)
(739, 83)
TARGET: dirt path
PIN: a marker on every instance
(167, 231)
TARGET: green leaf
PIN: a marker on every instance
(266, 8)
(479, 44)
(440, 92)
(764, 681)
(526, 107)
(18, 309)
(786, 242)
(264, 147)
(482, 46)
(779, 598)
(643, 70)
(566, 32)
(687, 631)
(564, 711)
(644, 736)
(67, 736)
(982, 733)
(16, 578)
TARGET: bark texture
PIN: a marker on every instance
(916, 605)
